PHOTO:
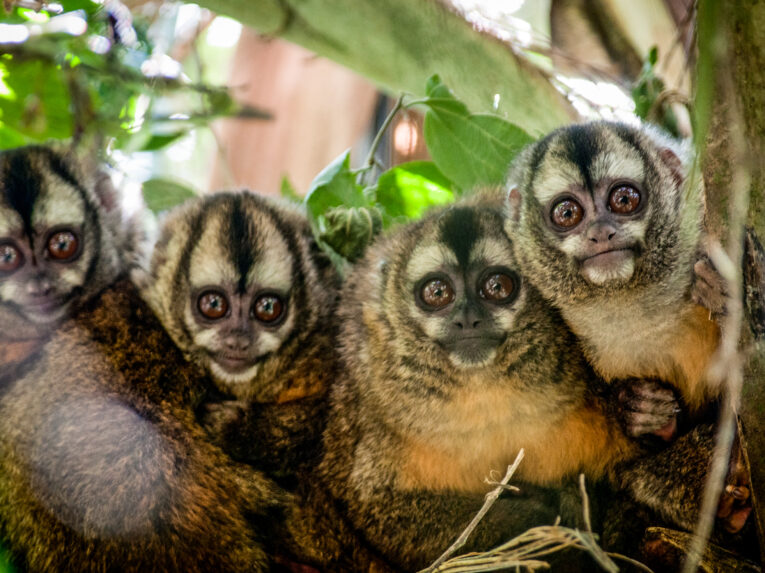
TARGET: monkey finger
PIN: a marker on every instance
(740, 492)
(709, 297)
(706, 271)
(639, 424)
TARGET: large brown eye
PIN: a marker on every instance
(10, 258)
(268, 308)
(624, 199)
(437, 293)
(497, 287)
(567, 214)
(212, 305)
(62, 245)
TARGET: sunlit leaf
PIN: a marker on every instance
(38, 105)
(410, 189)
(156, 142)
(10, 138)
(162, 194)
(472, 150)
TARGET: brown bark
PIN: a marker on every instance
(731, 72)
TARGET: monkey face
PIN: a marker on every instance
(601, 230)
(49, 236)
(459, 286)
(230, 279)
(599, 207)
(239, 306)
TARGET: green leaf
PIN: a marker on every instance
(5, 562)
(472, 150)
(162, 194)
(410, 189)
(10, 138)
(156, 142)
(335, 186)
(34, 99)
(440, 98)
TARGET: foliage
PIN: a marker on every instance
(92, 72)
(468, 151)
(652, 101)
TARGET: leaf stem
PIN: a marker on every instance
(370, 160)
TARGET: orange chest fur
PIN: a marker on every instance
(481, 433)
(679, 356)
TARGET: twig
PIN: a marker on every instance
(588, 539)
(728, 365)
(369, 163)
(631, 561)
(491, 497)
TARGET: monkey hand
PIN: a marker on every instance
(647, 407)
(735, 503)
(219, 419)
(708, 288)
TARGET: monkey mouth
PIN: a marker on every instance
(45, 309)
(607, 266)
(233, 362)
(472, 351)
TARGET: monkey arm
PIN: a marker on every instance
(672, 482)
(276, 438)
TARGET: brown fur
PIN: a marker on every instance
(644, 324)
(102, 465)
(411, 435)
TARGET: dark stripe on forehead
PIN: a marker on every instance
(181, 279)
(581, 148)
(60, 168)
(629, 136)
(460, 230)
(299, 297)
(538, 154)
(241, 238)
(21, 184)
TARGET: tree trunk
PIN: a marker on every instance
(739, 24)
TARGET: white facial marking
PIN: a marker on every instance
(222, 375)
(492, 252)
(10, 222)
(210, 262)
(60, 204)
(554, 178)
(462, 364)
(273, 267)
(428, 259)
(600, 276)
(622, 163)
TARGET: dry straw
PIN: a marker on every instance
(526, 551)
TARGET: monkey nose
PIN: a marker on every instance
(467, 320)
(39, 286)
(237, 342)
(601, 232)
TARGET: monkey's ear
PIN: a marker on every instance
(514, 203)
(675, 164)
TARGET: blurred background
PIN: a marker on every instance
(211, 103)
